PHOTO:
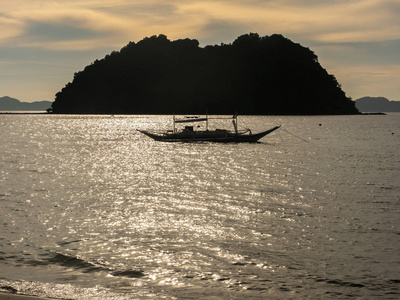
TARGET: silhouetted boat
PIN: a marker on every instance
(189, 134)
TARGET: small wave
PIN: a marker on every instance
(341, 282)
(75, 262)
(67, 243)
(387, 188)
(240, 263)
(345, 283)
(128, 273)
(8, 289)
(36, 263)
(394, 280)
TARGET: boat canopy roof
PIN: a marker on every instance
(190, 120)
(197, 119)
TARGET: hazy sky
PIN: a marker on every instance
(44, 42)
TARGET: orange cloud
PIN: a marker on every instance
(10, 27)
(119, 21)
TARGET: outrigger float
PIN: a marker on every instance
(189, 134)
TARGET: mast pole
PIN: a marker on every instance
(206, 120)
(234, 121)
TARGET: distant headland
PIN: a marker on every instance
(12, 104)
(253, 75)
(377, 104)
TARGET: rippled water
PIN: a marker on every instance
(92, 209)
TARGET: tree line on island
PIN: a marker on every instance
(253, 75)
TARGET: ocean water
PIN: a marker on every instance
(93, 209)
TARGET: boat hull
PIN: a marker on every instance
(212, 136)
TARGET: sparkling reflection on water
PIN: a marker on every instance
(311, 211)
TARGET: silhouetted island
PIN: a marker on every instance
(253, 75)
(12, 104)
(377, 104)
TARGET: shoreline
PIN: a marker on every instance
(7, 296)
(23, 113)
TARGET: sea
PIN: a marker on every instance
(93, 209)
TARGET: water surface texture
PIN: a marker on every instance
(93, 209)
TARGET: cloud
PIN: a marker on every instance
(43, 23)
(42, 31)
(362, 53)
(68, 27)
(347, 35)
(69, 23)
(339, 21)
(360, 21)
(10, 27)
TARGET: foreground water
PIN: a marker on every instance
(92, 209)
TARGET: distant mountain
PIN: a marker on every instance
(377, 104)
(12, 104)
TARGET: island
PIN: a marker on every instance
(254, 75)
(377, 104)
(11, 104)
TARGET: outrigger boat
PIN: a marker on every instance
(189, 134)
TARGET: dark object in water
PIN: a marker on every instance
(188, 134)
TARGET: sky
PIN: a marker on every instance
(44, 42)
